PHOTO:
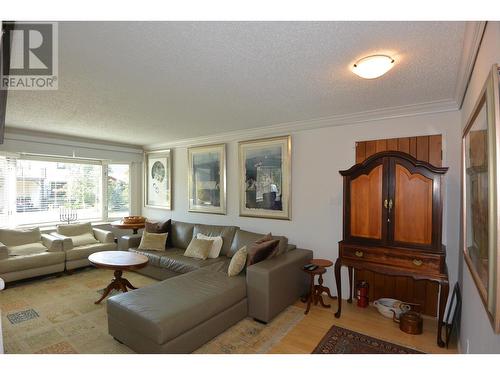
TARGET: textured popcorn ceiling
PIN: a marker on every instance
(151, 82)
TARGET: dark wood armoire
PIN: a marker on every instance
(392, 222)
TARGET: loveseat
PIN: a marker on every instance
(28, 253)
(196, 299)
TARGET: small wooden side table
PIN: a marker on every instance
(121, 225)
(325, 263)
(315, 294)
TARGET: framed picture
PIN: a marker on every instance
(207, 179)
(265, 178)
(480, 204)
(158, 179)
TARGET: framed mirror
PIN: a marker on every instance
(480, 188)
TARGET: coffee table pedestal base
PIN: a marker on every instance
(118, 283)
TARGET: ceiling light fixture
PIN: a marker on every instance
(373, 66)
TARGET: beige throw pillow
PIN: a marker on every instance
(153, 241)
(83, 239)
(216, 245)
(237, 262)
(198, 248)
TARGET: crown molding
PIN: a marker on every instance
(473, 36)
(298, 126)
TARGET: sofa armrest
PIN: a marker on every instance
(52, 243)
(127, 242)
(276, 283)
(67, 241)
(4, 252)
(104, 236)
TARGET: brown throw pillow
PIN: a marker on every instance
(261, 250)
(160, 227)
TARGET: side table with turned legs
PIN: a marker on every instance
(316, 291)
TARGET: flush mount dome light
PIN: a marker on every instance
(373, 66)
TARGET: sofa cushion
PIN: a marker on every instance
(238, 262)
(26, 262)
(198, 248)
(245, 238)
(182, 233)
(82, 252)
(216, 245)
(160, 227)
(71, 230)
(224, 231)
(169, 308)
(16, 237)
(174, 260)
(261, 250)
(153, 241)
(83, 239)
(27, 249)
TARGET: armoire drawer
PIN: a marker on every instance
(409, 259)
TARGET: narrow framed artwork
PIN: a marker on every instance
(480, 194)
(158, 179)
(207, 179)
(265, 178)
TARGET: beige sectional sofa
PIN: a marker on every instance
(196, 299)
(28, 253)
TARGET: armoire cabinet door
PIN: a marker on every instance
(367, 192)
(412, 213)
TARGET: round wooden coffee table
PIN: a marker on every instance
(118, 261)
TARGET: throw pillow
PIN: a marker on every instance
(237, 262)
(216, 245)
(83, 239)
(160, 227)
(153, 241)
(198, 248)
(261, 250)
(70, 230)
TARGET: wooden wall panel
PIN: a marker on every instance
(425, 293)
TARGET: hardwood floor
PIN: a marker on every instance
(306, 335)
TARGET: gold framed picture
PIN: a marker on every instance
(158, 179)
(207, 179)
(265, 178)
(480, 188)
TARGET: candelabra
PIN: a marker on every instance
(67, 214)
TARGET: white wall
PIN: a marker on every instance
(317, 156)
(476, 333)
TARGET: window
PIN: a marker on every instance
(118, 190)
(43, 191)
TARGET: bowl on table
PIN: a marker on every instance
(133, 220)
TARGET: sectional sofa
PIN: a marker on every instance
(196, 300)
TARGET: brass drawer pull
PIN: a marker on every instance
(417, 262)
(359, 254)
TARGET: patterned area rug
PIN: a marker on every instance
(58, 315)
(340, 340)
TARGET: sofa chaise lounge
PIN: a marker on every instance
(196, 299)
